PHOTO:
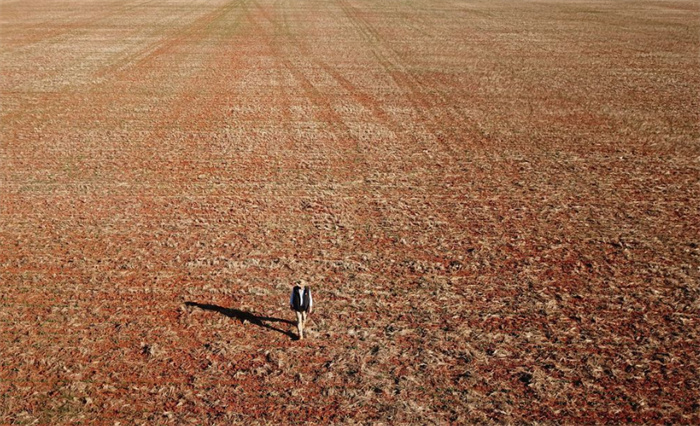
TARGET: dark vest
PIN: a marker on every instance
(301, 302)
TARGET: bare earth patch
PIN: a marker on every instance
(496, 204)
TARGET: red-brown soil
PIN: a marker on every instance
(495, 202)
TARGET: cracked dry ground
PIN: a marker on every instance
(496, 204)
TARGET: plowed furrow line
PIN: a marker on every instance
(191, 33)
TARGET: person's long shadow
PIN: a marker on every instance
(243, 316)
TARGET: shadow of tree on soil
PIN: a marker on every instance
(244, 316)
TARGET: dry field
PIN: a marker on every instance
(496, 203)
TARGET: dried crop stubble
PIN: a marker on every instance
(495, 201)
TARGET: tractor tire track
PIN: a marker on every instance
(369, 200)
(327, 113)
(191, 33)
(422, 100)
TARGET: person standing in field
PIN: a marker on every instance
(302, 304)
